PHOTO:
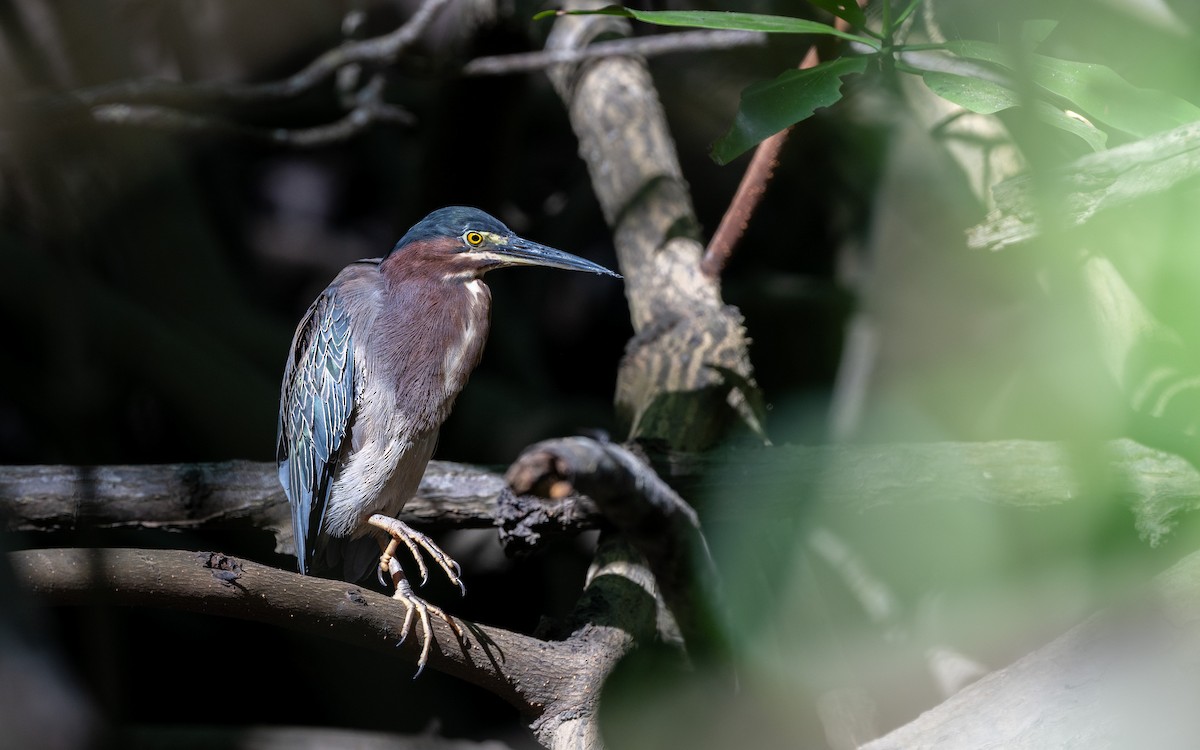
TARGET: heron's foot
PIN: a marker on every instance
(402, 533)
(419, 610)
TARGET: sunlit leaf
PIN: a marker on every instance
(1096, 91)
(976, 94)
(1071, 122)
(988, 97)
(771, 106)
(846, 10)
(715, 19)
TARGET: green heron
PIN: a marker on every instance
(374, 369)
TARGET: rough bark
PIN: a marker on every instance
(670, 386)
(647, 512)
(186, 496)
(1158, 486)
(555, 683)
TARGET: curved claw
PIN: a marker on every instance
(415, 606)
(415, 541)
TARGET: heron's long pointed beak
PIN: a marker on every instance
(519, 251)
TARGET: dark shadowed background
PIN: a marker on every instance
(152, 281)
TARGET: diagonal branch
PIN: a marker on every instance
(684, 333)
(644, 508)
(382, 50)
(554, 683)
(170, 105)
(651, 46)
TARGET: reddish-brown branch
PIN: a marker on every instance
(752, 187)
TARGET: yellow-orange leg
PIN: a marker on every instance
(414, 605)
(401, 532)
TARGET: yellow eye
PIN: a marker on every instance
(473, 238)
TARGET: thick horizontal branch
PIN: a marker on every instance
(769, 482)
(194, 496)
(1089, 185)
(1155, 484)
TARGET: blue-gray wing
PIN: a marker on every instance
(315, 407)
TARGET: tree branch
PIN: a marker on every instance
(193, 496)
(644, 508)
(179, 121)
(684, 333)
(170, 106)
(650, 46)
(381, 50)
(1159, 486)
(555, 683)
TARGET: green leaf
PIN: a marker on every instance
(988, 97)
(976, 94)
(1094, 90)
(771, 106)
(1071, 123)
(847, 10)
(716, 19)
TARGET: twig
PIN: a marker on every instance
(659, 44)
(179, 121)
(382, 50)
(168, 105)
(747, 197)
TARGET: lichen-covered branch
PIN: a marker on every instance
(683, 332)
